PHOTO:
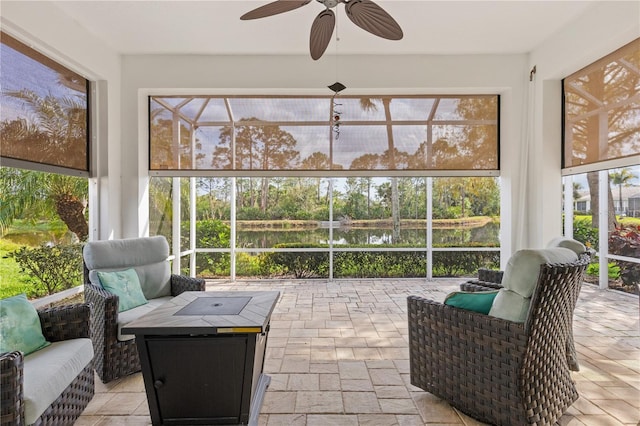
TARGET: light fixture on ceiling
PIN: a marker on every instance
(364, 13)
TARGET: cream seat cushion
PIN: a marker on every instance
(126, 317)
(48, 372)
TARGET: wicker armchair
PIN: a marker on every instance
(115, 357)
(489, 279)
(58, 324)
(498, 371)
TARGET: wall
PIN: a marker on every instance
(600, 31)
(38, 24)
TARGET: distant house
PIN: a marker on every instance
(633, 204)
(629, 205)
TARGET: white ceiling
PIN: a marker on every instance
(214, 26)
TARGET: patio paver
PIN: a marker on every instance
(337, 355)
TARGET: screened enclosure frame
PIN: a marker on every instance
(453, 135)
(178, 118)
(179, 253)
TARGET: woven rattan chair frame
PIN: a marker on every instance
(490, 279)
(115, 358)
(494, 370)
(59, 323)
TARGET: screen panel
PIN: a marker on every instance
(602, 109)
(45, 109)
(323, 133)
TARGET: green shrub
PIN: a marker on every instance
(584, 232)
(248, 265)
(50, 268)
(457, 263)
(211, 233)
(298, 264)
(613, 270)
(380, 264)
(374, 264)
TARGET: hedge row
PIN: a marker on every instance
(375, 264)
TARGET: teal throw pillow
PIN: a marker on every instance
(20, 328)
(477, 301)
(126, 285)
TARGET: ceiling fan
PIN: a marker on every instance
(364, 13)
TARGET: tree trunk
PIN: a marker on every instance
(395, 198)
(395, 209)
(592, 179)
(71, 211)
(264, 195)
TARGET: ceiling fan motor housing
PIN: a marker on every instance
(329, 3)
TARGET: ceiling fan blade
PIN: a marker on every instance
(321, 32)
(374, 19)
(274, 8)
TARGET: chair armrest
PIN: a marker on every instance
(65, 322)
(182, 283)
(477, 285)
(104, 311)
(11, 383)
(490, 275)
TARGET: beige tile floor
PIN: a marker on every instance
(338, 355)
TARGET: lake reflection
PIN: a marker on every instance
(484, 235)
(35, 238)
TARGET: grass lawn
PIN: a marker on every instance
(12, 281)
(625, 221)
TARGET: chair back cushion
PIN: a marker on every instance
(520, 279)
(574, 245)
(147, 256)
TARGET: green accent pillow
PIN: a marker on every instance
(476, 301)
(20, 328)
(126, 285)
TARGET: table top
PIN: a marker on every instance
(208, 312)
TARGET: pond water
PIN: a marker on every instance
(35, 238)
(482, 235)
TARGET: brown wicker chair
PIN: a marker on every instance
(490, 279)
(494, 370)
(115, 358)
(60, 323)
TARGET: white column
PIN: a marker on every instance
(603, 227)
(175, 225)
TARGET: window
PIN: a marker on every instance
(312, 227)
(332, 187)
(602, 109)
(44, 110)
(323, 133)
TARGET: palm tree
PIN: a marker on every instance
(55, 133)
(369, 104)
(31, 195)
(621, 178)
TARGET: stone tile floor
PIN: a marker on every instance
(337, 354)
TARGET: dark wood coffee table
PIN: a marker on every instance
(202, 356)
